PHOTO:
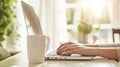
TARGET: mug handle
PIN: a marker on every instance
(47, 43)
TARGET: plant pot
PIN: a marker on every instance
(83, 38)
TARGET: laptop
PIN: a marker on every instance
(34, 22)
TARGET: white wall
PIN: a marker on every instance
(53, 18)
(116, 14)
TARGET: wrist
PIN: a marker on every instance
(89, 51)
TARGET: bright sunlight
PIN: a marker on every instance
(95, 5)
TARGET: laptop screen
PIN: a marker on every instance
(31, 20)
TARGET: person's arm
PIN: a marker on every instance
(107, 52)
(118, 53)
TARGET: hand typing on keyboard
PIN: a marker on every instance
(69, 48)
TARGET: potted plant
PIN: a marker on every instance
(84, 29)
(7, 20)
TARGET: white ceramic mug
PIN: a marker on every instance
(36, 47)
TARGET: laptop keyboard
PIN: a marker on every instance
(67, 58)
(52, 55)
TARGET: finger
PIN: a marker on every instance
(64, 54)
(61, 49)
(69, 52)
(67, 48)
(64, 49)
(67, 43)
(63, 46)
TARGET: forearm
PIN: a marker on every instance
(110, 53)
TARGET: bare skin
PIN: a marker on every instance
(73, 48)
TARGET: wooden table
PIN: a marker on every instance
(21, 60)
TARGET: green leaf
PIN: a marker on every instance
(1, 22)
(1, 56)
(84, 27)
(8, 33)
(1, 38)
(1, 45)
(1, 30)
(14, 15)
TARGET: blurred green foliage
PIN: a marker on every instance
(1, 57)
(7, 16)
(84, 27)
